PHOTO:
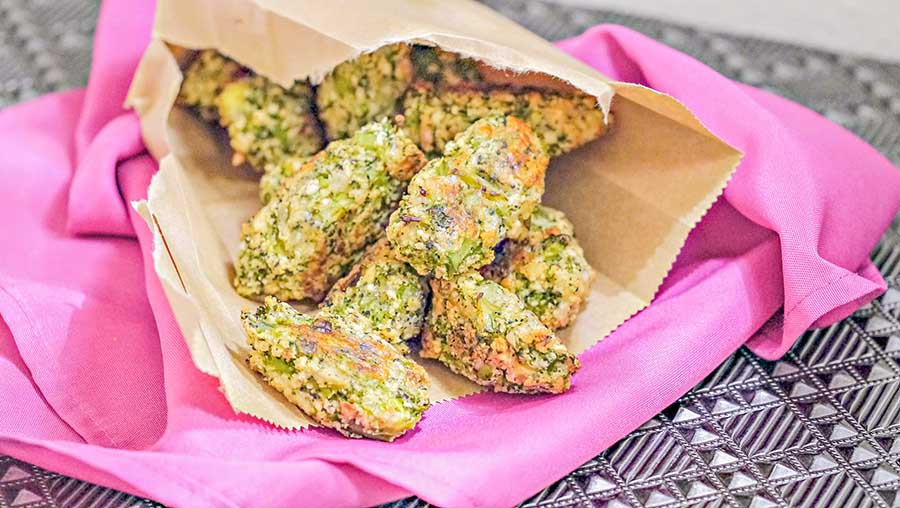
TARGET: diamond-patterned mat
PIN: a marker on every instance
(819, 428)
(25, 486)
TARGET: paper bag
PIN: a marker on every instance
(633, 195)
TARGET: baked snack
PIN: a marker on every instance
(456, 250)
(547, 269)
(204, 79)
(364, 89)
(561, 121)
(380, 295)
(320, 221)
(344, 379)
(484, 332)
(445, 69)
(267, 123)
(275, 174)
(459, 207)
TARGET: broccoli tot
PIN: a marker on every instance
(445, 69)
(364, 89)
(204, 80)
(561, 121)
(318, 224)
(459, 207)
(351, 381)
(275, 174)
(547, 269)
(483, 332)
(267, 123)
(545, 222)
(382, 295)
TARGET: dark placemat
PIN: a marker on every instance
(821, 427)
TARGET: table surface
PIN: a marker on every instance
(833, 25)
(821, 427)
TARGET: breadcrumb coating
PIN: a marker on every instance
(561, 121)
(382, 295)
(364, 89)
(318, 224)
(267, 123)
(484, 332)
(204, 80)
(459, 207)
(342, 378)
(547, 269)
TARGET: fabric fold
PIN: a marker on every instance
(76, 305)
(104, 128)
(787, 180)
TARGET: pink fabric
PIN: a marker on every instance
(98, 383)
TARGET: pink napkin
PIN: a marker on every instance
(98, 383)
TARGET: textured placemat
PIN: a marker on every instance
(821, 427)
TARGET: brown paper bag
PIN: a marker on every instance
(633, 195)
